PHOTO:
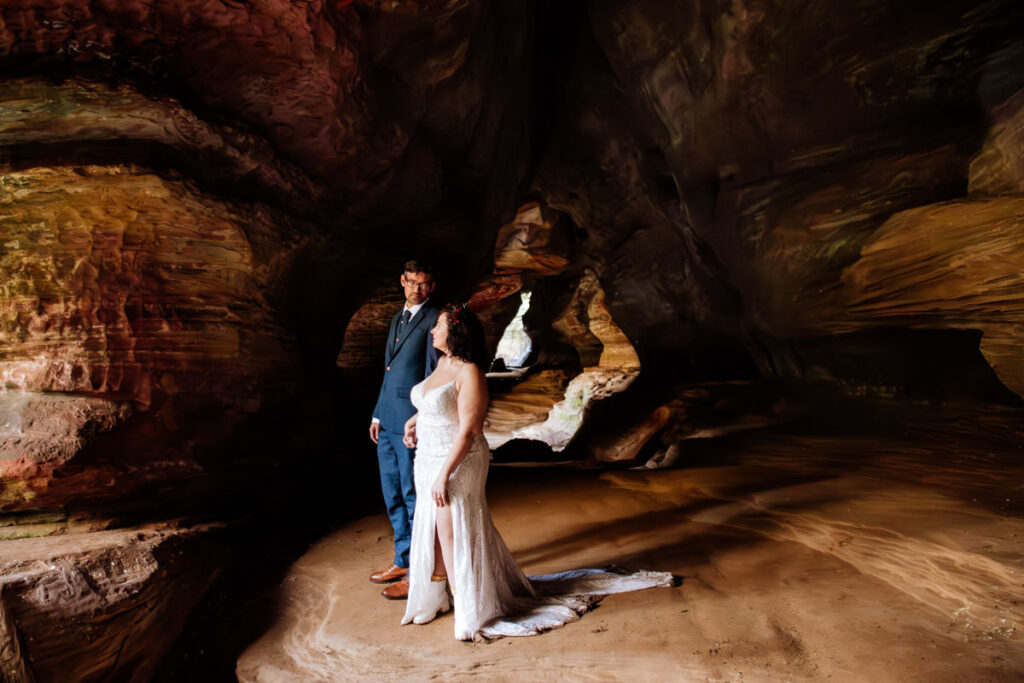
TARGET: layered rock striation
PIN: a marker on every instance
(125, 289)
(79, 606)
(736, 185)
(205, 206)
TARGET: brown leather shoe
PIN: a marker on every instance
(397, 591)
(392, 573)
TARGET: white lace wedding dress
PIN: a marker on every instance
(493, 598)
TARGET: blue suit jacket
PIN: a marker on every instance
(407, 361)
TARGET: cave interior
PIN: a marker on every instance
(757, 271)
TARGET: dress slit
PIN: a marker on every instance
(493, 597)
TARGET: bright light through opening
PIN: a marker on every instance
(515, 346)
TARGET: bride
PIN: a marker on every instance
(455, 547)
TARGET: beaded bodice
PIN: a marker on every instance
(438, 421)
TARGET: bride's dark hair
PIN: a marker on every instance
(465, 335)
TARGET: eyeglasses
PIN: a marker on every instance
(413, 284)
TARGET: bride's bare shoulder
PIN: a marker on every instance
(470, 372)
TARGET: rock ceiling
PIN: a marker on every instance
(202, 202)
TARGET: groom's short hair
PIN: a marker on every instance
(417, 266)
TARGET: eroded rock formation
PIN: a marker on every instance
(610, 364)
(125, 289)
(204, 206)
(84, 605)
(735, 180)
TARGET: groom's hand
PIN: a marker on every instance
(374, 431)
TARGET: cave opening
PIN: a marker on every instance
(515, 346)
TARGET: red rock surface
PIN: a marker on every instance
(130, 288)
(301, 97)
(203, 202)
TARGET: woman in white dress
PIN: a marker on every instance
(455, 547)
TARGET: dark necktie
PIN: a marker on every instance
(404, 321)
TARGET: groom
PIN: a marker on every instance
(408, 358)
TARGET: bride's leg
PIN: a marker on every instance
(444, 561)
(439, 569)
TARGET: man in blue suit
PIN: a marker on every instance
(409, 357)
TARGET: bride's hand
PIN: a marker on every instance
(439, 491)
(409, 438)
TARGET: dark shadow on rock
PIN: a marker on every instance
(330, 478)
(525, 450)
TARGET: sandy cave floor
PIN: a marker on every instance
(895, 558)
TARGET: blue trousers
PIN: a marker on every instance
(396, 481)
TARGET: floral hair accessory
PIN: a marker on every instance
(455, 314)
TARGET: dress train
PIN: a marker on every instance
(492, 596)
